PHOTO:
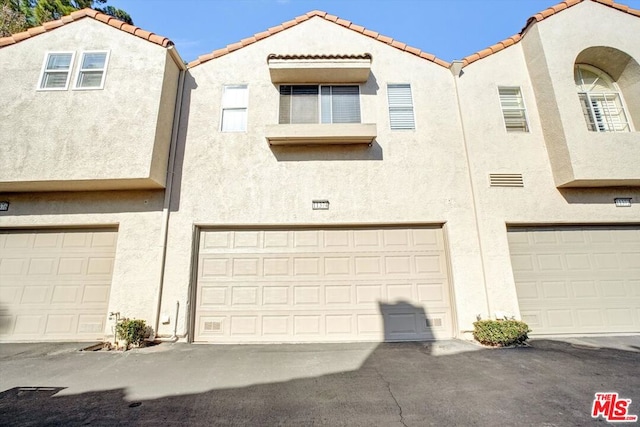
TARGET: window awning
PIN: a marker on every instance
(353, 68)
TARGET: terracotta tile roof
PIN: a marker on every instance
(537, 18)
(80, 14)
(324, 15)
(311, 56)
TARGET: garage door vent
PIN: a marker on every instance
(434, 322)
(212, 326)
(506, 180)
(90, 327)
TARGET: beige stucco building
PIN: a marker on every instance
(290, 188)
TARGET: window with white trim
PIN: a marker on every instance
(234, 108)
(601, 101)
(319, 104)
(92, 70)
(56, 70)
(400, 106)
(514, 112)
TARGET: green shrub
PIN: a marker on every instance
(131, 330)
(500, 333)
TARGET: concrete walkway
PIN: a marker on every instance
(415, 384)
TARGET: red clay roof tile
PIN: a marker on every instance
(262, 35)
(331, 18)
(537, 18)
(80, 14)
(276, 29)
(289, 24)
(370, 33)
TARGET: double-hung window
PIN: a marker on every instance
(92, 70)
(319, 104)
(56, 70)
(601, 101)
(400, 106)
(234, 108)
(513, 110)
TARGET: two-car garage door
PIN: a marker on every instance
(574, 280)
(55, 284)
(322, 285)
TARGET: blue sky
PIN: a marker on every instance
(449, 29)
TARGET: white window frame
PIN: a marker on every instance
(43, 71)
(413, 111)
(605, 123)
(320, 86)
(244, 108)
(79, 70)
(523, 109)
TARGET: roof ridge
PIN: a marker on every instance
(328, 17)
(80, 14)
(503, 44)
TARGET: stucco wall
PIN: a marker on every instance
(90, 139)
(552, 46)
(493, 150)
(236, 179)
(136, 214)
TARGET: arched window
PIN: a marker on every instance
(601, 101)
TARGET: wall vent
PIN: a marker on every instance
(506, 180)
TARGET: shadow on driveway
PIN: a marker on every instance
(550, 383)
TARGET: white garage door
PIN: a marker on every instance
(54, 285)
(578, 279)
(306, 285)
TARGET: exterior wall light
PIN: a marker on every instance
(4, 206)
(622, 202)
(320, 205)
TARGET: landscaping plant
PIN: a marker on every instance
(131, 330)
(500, 333)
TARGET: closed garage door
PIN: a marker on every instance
(54, 285)
(578, 279)
(306, 285)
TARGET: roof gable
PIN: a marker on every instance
(324, 15)
(537, 18)
(84, 13)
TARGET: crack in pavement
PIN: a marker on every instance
(392, 396)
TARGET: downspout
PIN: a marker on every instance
(167, 196)
(456, 70)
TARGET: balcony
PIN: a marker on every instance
(321, 134)
(319, 68)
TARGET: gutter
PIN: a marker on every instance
(167, 197)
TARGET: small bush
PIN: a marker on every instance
(132, 331)
(500, 333)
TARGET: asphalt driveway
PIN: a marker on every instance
(551, 383)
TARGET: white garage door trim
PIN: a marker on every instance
(55, 283)
(577, 279)
(321, 284)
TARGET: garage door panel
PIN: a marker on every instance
(55, 284)
(582, 279)
(320, 285)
